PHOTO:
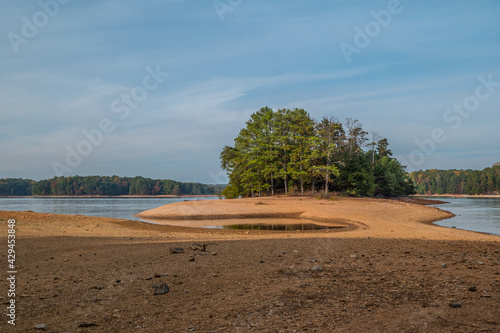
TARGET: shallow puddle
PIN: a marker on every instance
(279, 227)
(264, 224)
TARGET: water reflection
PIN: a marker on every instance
(280, 227)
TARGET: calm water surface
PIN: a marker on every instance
(476, 214)
(122, 208)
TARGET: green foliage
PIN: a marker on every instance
(287, 151)
(106, 186)
(470, 182)
(15, 187)
(231, 192)
(390, 178)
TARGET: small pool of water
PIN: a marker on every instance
(279, 227)
(264, 224)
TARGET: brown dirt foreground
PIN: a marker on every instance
(387, 272)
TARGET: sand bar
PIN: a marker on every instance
(368, 217)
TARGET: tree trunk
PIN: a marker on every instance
(312, 179)
(286, 185)
(326, 184)
(272, 185)
(285, 178)
(301, 178)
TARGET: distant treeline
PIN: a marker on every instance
(470, 182)
(103, 185)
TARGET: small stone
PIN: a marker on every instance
(214, 254)
(312, 260)
(88, 325)
(41, 327)
(191, 259)
(473, 288)
(262, 261)
(317, 269)
(198, 247)
(161, 289)
(354, 256)
(455, 305)
(444, 265)
(118, 281)
(174, 250)
(480, 263)
(191, 329)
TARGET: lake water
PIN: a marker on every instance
(122, 208)
(476, 214)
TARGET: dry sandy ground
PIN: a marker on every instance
(390, 270)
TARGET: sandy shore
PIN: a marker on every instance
(369, 217)
(391, 270)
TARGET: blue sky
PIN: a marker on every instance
(225, 60)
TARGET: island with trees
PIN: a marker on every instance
(287, 151)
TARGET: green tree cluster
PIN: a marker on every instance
(103, 185)
(15, 187)
(470, 182)
(287, 151)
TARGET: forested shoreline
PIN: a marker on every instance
(470, 182)
(287, 151)
(102, 186)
